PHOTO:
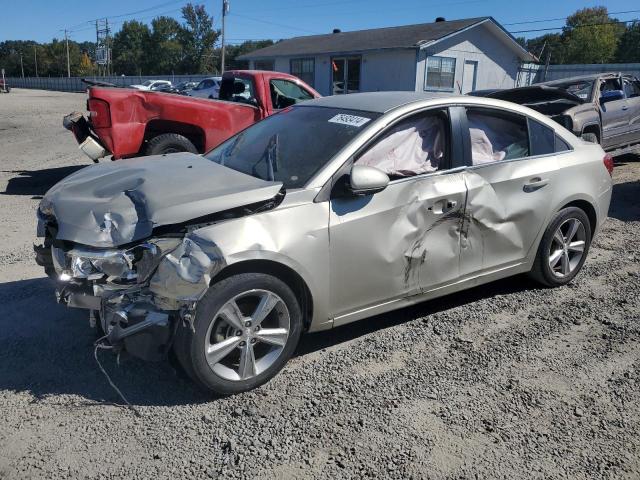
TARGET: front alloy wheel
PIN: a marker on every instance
(247, 335)
(245, 329)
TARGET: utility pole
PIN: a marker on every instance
(35, 57)
(66, 39)
(225, 12)
(21, 66)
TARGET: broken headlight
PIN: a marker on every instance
(136, 263)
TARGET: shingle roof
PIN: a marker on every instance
(406, 36)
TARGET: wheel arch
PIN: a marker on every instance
(194, 133)
(588, 208)
(592, 128)
(279, 270)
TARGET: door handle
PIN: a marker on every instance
(535, 184)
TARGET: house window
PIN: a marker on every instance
(440, 73)
(304, 69)
(264, 65)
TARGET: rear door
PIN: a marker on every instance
(509, 182)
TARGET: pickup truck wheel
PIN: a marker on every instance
(169, 143)
(245, 329)
(590, 137)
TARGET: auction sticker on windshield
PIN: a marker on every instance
(352, 120)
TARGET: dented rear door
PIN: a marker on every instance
(509, 202)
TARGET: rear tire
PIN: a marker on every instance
(169, 143)
(563, 248)
(270, 341)
(590, 137)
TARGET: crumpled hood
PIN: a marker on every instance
(111, 204)
(534, 94)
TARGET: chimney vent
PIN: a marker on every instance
(337, 30)
(440, 19)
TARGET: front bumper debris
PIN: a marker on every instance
(88, 142)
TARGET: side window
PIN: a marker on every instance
(561, 145)
(440, 73)
(631, 89)
(206, 84)
(610, 84)
(413, 146)
(237, 89)
(285, 93)
(496, 135)
(542, 139)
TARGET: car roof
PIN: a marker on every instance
(379, 102)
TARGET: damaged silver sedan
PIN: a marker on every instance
(331, 211)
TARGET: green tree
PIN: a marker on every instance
(552, 44)
(129, 48)
(165, 49)
(628, 50)
(233, 51)
(198, 37)
(591, 36)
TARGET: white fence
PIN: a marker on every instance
(75, 84)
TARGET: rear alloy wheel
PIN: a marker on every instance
(563, 248)
(246, 328)
(169, 143)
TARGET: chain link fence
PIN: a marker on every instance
(75, 84)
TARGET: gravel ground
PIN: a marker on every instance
(503, 381)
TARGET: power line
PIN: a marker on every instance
(621, 22)
(563, 18)
(273, 23)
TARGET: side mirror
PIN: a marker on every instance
(611, 95)
(366, 180)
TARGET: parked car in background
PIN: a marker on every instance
(124, 122)
(184, 88)
(207, 88)
(152, 85)
(332, 211)
(603, 108)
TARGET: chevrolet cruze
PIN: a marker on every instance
(332, 211)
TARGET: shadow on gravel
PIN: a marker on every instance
(37, 182)
(318, 341)
(625, 204)
(47, 349)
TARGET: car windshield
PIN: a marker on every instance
(291, 146)
(147, 83)
(581, 89)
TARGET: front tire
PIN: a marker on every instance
(563, 248)
(169, 143)
(246, 328)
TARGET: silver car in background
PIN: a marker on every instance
(331, 211)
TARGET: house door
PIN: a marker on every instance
(469, 76)
(345, 75)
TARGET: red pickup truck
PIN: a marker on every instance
(125, 122)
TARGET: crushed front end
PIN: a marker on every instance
(136, 294)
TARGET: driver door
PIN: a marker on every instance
(404, 239)
(615, 119)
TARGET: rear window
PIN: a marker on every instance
(542, 139)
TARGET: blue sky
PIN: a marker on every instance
(42, 20)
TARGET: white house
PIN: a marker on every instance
(450, 56)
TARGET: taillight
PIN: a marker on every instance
(608, 163)
(99, 113)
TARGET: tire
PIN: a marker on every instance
(566, 262)
(213, 331)
(169, 143)
(590, 137)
